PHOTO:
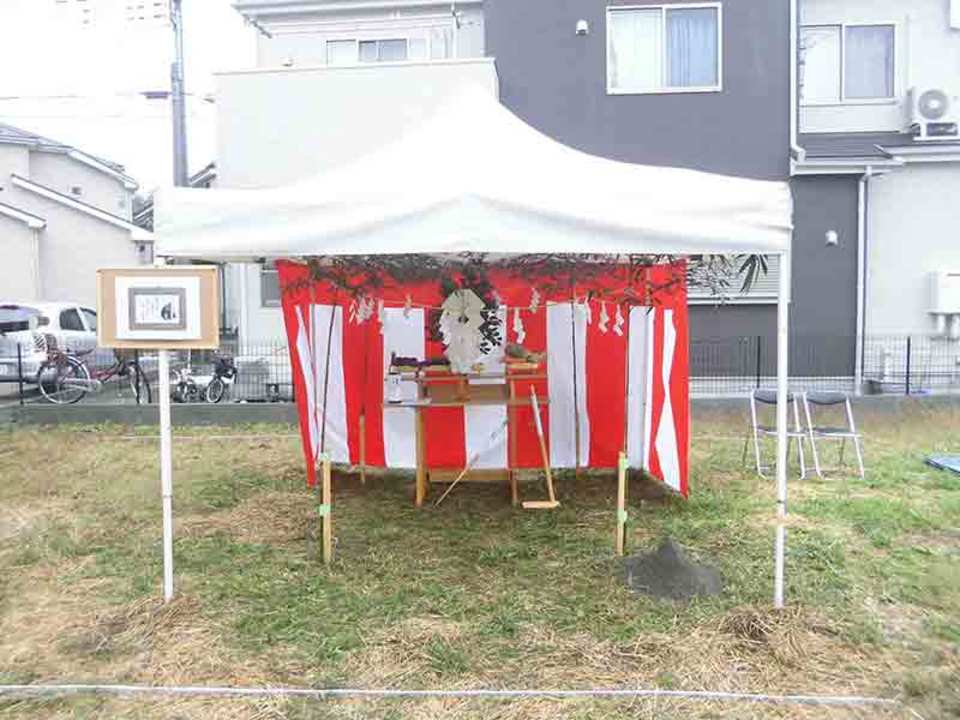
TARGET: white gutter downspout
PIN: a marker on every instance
(797, 153)
(863, 188)
(35, 261)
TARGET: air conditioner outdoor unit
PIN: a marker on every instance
(934, 114)
(945, 301)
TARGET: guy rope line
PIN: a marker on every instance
(40, 690)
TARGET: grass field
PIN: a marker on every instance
(475, 593)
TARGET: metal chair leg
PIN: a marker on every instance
(856, 447)
(856, 439)
(800, 438)
(756, 437)
(813, 440)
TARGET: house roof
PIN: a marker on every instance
(34, 221)
(851, 145)
(864, 146)
(10, 134)
(137, 233)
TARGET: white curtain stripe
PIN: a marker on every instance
(560, 383)
(667, 431)
(335, 437)
(405, 336)
(637, 339)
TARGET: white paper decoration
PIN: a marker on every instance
(518, 326)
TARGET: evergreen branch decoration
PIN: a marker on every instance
(369, 275)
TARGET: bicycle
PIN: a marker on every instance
(186, 387)
(64, 378)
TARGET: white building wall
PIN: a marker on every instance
(18, 273)
(300, 40)
(281, 125)
(73, 247)
(927, 55)
(63, 173)
(914, 229)
(14, 159)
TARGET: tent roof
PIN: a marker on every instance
(475, 178)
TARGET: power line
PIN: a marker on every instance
(144, 94)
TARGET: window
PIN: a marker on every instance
(91, 317)
(847, 62)
(269, 286)
(351, 52)
(70, 320)
(672, 48)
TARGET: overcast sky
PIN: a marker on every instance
(80, 83)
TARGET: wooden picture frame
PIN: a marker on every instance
(159, 308)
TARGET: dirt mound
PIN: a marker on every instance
(669, 573)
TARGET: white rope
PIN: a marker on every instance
(328, 693)
(203, 438)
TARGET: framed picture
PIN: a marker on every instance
(150, 308)
(157, 308)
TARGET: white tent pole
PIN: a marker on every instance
(166, 464)
(783, 354)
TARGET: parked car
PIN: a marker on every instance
(30, 325)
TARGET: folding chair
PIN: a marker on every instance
(769, 398)
(830, 432)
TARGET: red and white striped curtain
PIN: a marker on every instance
(617, 376)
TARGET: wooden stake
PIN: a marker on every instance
(326, 509)
(621, 531)
(421, 488)
(363, 449)
(514, 490)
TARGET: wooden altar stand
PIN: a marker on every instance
(439, 387)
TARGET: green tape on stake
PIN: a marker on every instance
(323, 510)
(621, 516)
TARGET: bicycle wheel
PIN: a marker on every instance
(136, 376)
(63, 381)
(215, 390)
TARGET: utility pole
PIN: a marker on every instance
(180, 172)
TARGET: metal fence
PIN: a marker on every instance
(900, 364)
(909, 365)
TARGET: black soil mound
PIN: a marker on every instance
(669, 573)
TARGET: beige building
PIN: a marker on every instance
(63, 214)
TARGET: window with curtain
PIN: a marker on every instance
(663, 48)
(868, 70)
(847, 62)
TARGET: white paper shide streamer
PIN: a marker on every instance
(518, 328)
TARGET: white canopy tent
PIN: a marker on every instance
(475, 178)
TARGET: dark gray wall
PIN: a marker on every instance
(824, 277)
(823, 311)
(556, 81)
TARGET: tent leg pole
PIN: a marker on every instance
(783, 339)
